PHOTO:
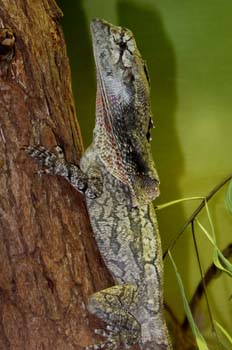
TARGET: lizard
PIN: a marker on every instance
(118, 176)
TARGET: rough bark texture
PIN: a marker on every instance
(49, 263)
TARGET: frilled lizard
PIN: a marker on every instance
(119, 179)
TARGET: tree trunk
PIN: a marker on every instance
(49, 263)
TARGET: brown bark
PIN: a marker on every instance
(49, 263)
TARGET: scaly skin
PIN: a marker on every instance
(119, 179)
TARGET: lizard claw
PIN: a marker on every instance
(90, 194)
(102, 332)
(109, 344)
(43, 157)
(60, 153)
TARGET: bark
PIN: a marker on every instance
(49, 263)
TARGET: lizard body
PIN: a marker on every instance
(119, 179)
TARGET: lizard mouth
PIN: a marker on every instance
(118, 41)
(98, 27)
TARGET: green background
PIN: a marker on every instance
(188, 49)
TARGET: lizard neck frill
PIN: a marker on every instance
(144, 187)
(106, 144)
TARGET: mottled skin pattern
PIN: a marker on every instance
(119, 179)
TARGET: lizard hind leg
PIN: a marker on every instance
(114, 305)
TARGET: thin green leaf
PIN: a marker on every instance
(218, 258)
(226, 334)
(168, 204)
(210, 221)
(225, 262)
(201, 343)
(228, 198)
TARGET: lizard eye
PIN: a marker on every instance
(146, 72)
(148, 136)
(150, 126)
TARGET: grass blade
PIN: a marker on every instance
(222, 329)
(218, 258)
(228, 198)
(168, 204)
(201, 343)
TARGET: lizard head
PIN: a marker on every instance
(123, 111)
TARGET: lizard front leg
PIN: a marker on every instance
(114, 306)
(56, 164)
